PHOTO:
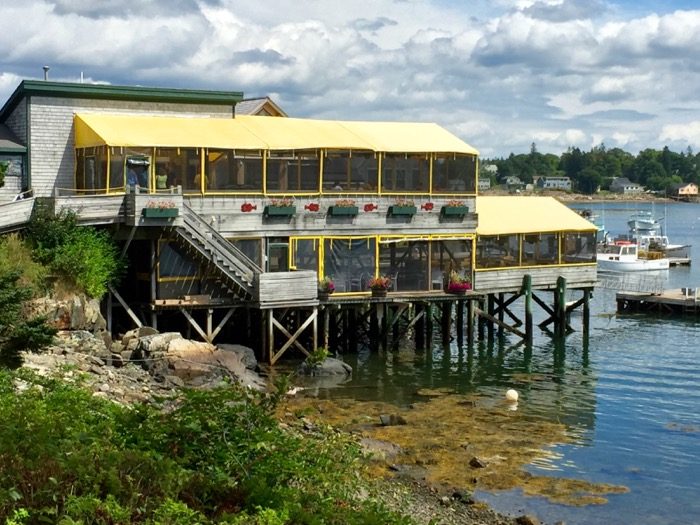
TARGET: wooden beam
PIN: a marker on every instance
(491, 318)
(126, 307)
(222, 323)
(194, 324)
(292, 337)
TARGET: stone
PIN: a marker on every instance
(387, 420)
(527, 519)
(247, 355)
(329, 367)
(476, 462)
(116, 360)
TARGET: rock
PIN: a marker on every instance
(476, 462)
(526, 519)
(445, 501)
(387, 420)
(328, 367)
(77, 312)
(247, 355)
(175, 381)
(137, 333)
(116, 360)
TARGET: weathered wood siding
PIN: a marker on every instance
(15, 215)
(286, 288)
(52, 140)
(93, 209)
(225, 213)
(17, 123)
(542, 278)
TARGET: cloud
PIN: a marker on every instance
(499, 74)
(686, 133)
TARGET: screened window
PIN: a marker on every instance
(540, 249)
(292, 172)
(449, 255)
(497, 251)
(454, 174)
(91, 172)
(405, 173)
(350, 262)
(251, 248)
(179, 167)
(305, 254)
(229, 170)
(346, 172)
(406, 262)
(116, 170)
(579, 247)
(14, 165)
(173, 262)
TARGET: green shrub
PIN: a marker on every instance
(16, 256)
(81, 254)
(216, 457)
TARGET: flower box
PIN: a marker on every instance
(279, 211)
(160, 213)
(337, 211)
(454, 211)
(402, 210)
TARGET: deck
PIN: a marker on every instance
(674, 301)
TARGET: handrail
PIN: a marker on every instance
(207, 235)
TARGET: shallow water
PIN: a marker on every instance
(629, 396)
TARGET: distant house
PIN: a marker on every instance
(484, 183)
(625, 186)
(684, 191)
(261, 107)
(514, 183)
(554, 183)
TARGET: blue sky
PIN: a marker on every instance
(500, 74)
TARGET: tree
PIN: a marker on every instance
(589, 181)
(3, 170)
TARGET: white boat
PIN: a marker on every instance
(647, 232)
(623, 256)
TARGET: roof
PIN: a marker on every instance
(256, 106)
(251, 132)
(518, 214)
(111, 92)
(9, 143)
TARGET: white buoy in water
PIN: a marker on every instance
(512, 396)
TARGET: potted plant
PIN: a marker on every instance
(379, 285)
(326, 286)
(345, 207)
(282, 207)
(160, 209)
(458, 284)
(403, 207)
(454, 208)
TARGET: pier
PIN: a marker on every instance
(678, 301)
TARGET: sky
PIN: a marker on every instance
(499, 74)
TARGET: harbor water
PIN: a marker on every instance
(629, 396)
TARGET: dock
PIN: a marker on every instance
(679, 261)
(673, 301)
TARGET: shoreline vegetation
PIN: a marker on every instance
(568, 197)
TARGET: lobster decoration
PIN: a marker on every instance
(247, 207)
(312, 206)
(428, 206)
(371, 207)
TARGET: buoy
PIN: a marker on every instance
(512, 396)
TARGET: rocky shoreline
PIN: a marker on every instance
(145, 366)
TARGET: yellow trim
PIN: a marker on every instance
(380, 168)
(109, 166)
(530, 267)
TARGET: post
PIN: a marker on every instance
(470, 321)
(446, 321)
(460, 322)
(491, 309)
(429, 325)
(527, 292)
(586, 311)
(419, 329)
(560, 307)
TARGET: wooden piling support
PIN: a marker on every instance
(429, 324)
(446, 322)
(526, 290)
(470, 321)
(460, 322)
(419, 327)
(560, 307)
(490, 311)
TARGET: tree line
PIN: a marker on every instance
(589, 171)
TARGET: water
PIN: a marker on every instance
(631, 396)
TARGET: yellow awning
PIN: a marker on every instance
(268, 133)
(153, 131)
(409, 137)
(298, 134)
(519, 214)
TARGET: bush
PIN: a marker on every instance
(16, 256)
(83, 255)
(217, 457)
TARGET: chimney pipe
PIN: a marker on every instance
(46, 72)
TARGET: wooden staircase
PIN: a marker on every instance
(239, 272)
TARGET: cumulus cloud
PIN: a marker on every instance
(499, 74)
(686, 133)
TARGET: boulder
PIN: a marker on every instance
(77, 312)
(328, 367)
(246, 354)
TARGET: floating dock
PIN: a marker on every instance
(676, 301)
(679, 261)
